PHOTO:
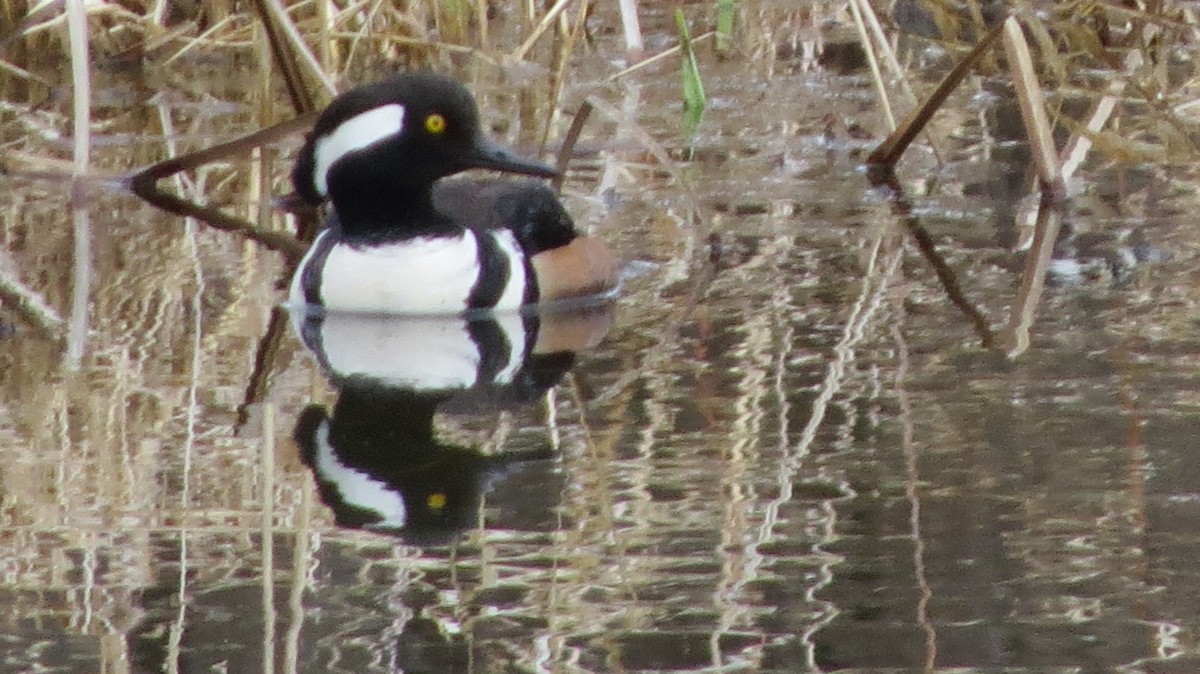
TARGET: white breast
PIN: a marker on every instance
(422, 275)
(419, 275)
(423, 353)
(417, 352)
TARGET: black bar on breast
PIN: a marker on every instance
(494, 273)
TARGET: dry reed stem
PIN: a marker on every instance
(283, 56)
(81, 274)
(1014, 336)
(23, 73)
(1077, 147)
(544, 24)
(300, 48)
(1033, 108)
(567, 148)
(949, 280)
(238, 146)
(884, 48)
(192, 43)
(632, 30)
(50, 14)
(30, 304)
(864, 38)
(671, 51)
(81, 82)
(144, 183)
(890, 150)
(562, 62)
(283, 243)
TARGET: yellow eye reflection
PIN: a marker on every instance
(435, 123)
(436, 500)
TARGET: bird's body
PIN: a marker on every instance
(402, 240)
(435, 273)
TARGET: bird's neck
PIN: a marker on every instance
(389, 213)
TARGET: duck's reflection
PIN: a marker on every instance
(377, 457)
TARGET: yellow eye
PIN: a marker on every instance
(436, 500)
(435, 124)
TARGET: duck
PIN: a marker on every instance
(380, 456)
(403, 237)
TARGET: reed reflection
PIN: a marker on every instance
(378, 457)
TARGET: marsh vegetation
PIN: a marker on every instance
(836, 424)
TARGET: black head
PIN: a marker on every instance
(396, 137)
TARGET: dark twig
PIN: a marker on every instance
(278, 241)
(883, 176)
(264, 364)
(144, 183)
(563, 160)
(892, 147)
(237, 146)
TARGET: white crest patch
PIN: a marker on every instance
(359, 132)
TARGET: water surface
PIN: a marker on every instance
(790, 452)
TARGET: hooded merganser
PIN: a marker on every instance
(379, 459)
(400, 241)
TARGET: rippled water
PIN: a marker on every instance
(789, 452)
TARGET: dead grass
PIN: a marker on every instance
(99, 443)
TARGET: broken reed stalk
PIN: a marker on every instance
(1033, 110)
(265, 356)
(144, 183)
(81, 81)
(568, 145)
(632, 29)
(1014, 336)
(889, 151)
(1080, 143)
(81, 255)
(1029, 96)
(240, 145)
(293, 81)
(902, 208)
(300, 48)
(286, 244)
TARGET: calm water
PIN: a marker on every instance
(788, 451)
